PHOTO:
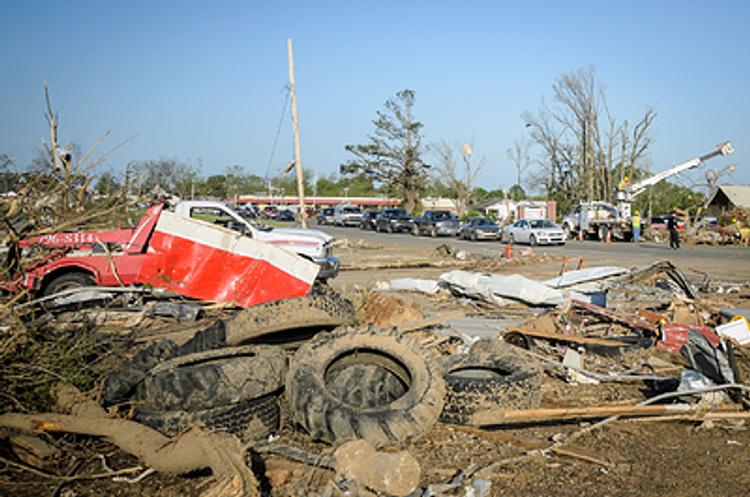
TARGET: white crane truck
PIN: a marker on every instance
(595, 219)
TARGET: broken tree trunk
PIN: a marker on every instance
(195, 449)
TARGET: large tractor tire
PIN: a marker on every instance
(221, 389)
(378, 385)
(492, 375)
(325, 309)
(251, 419)
(215, 378)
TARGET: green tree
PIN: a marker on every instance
(665, 196)
(106, 184)
(393, 157)
(517, 192)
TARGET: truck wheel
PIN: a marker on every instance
(323, 405)
(491, 375)
(321, 311)
(67, 281)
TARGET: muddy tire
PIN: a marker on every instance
(215, 382)
(324, 309)
(67, 281)
(248, 419)
(355, 361)
(491, 375)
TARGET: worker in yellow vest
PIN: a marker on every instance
(635, 221)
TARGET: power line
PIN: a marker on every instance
(278, 132)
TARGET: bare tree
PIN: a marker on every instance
(585, 150)
(519, 155)
(460, 180)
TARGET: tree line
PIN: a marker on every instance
(573, 149)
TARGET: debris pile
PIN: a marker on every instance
(425, 390)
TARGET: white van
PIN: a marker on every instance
(347, 215)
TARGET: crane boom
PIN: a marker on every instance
(637, 188)
(626, 196)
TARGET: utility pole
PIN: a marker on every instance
(297, 148)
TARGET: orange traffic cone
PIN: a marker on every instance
(580, 235)
(508, 252)
(609, 236)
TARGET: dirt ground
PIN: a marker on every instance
(644, 458)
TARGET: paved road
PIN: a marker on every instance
(721, 262)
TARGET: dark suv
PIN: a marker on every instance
(368, 220)
(393, 221)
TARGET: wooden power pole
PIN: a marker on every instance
(297, 148)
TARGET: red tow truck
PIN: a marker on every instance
(165, 250)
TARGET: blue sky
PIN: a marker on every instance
(206, 79)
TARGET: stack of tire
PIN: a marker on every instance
(347, 383)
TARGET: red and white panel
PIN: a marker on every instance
(208, 262)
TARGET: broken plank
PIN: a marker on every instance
(546, 335)
(522, 416)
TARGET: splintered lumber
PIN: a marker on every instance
(524, 416)
(546, 335)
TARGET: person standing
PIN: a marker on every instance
(635, 222)
(674, 236)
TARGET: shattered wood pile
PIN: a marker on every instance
(440, 387)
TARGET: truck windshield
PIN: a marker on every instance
(442, 215)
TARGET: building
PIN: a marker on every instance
(521, 209)
(728, 198)
(319, 202)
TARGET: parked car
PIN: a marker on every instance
(480, 228)
(325, 216)
(393, 221)
(368, 220)
(436, 223)
(347, 215)
(269, 212)
(533, 232)
(285, 215)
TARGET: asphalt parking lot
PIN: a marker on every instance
(730, 262)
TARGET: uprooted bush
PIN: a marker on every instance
(34, 359)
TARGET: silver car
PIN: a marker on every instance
(480, 228)
(534, 232)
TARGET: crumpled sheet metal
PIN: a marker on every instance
(586, 275)
(415, 285)
(497, 288)
(208, 262)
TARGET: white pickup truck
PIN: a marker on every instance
(311, 244)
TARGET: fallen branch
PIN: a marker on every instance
(192, 450)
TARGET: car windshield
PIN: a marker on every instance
(442, 215)
(483, 221)
(542, 223)
(350, 210)
(252, 220)
(395, 213)
(327, 212)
